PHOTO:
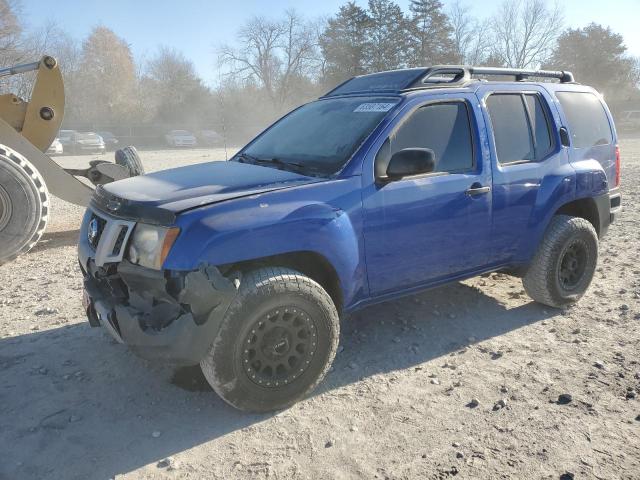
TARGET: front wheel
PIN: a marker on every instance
(276, 342)
(24, 205)
(564, 264)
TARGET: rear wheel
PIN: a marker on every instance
(564, 264)
(276, 343)
(24, 205)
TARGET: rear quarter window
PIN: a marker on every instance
(588, 122)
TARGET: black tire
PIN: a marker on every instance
(24, 205)
(128, 157)
(253, 364)
(563, 267)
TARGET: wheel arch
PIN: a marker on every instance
(596, 210)
(312, 264)
(586, 208)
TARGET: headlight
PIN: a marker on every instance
(150, 245)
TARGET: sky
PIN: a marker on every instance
(198, 27)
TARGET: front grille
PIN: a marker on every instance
(107, 236)
(120, 240)
(94, 239)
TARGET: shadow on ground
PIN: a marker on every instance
(65, 238)
(79, 405)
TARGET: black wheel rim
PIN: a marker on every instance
(279, 347)
(573, 265)
(5, 208)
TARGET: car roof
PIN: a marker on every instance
(471, 87)
(450, 77)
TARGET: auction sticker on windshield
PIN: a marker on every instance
(374, 107)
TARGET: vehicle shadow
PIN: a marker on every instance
(64, 238)
(90, 409)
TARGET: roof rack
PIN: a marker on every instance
(397, 81)
(464, 73)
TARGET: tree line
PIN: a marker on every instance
(277, 63)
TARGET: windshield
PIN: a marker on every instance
(320, 136)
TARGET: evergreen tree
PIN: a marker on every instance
(597, 57)
(343, 43)
(388, 37)
(430, 32)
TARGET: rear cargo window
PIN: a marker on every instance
(588, 122)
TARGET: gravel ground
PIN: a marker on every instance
(470, 380)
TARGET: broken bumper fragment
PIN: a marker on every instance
(172, 316)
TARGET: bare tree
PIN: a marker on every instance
(472, 39)
(273, 53)
(525, 32)
(105, 88)
(257, 56)
(170, 91)
(10, 32)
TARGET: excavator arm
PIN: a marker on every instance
(27, 174)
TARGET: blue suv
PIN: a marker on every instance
(389, 184)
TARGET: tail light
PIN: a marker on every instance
(617, 166)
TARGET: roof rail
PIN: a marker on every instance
(462, 74)
(396, 81)
(522, 74)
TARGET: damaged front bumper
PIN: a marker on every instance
(172, 316)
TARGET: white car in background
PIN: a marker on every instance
(55, 148)
(180, 138)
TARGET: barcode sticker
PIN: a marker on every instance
(374, 107)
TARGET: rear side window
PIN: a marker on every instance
(520, 127)
(442, 127)
(540, 124)
(514, 142)
(588, 122)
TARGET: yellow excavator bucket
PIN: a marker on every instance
(39, 119)
(29, 127)
(27, 174)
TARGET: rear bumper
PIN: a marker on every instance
(609, 207)
(615, 203)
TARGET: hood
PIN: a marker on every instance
(184, 188)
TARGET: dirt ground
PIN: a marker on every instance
(397, 404)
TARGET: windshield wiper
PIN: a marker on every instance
(245, 156)
(299, 167)
(276, 161)
(282, 163)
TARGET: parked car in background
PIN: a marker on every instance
(180, 138)
(66, 138)
(210, 138)
(84, 142)
(55, 148)
(110, 140)
(629, 121)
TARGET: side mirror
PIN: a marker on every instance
(411, 161)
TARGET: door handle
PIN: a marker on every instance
(477, 189)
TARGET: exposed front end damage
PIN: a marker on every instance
(173, 316)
